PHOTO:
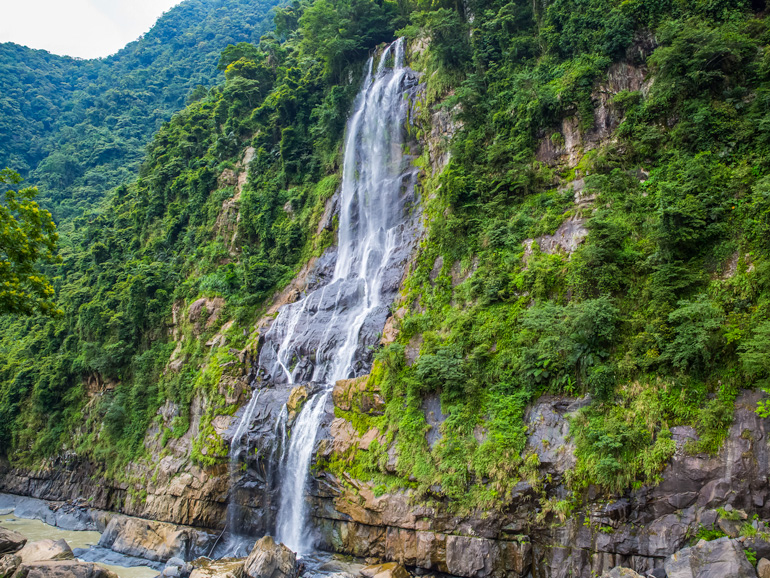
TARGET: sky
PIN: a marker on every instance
(81, 28)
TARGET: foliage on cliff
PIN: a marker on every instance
(660, 312)
(27, 238)
(171, 238)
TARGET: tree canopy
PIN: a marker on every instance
(27, 239)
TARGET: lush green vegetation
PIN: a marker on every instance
(27, 237)
(660, 314)
(169, 239)
(78, 128)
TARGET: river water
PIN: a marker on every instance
(35, 530)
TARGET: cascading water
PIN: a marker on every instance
(238, 445)
(327, 335)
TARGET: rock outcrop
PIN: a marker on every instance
(44, 550)
(63, 569)
(722, 558)
(226, 568)
(157, 541)
(270, 560)
(639, 530)
(11, 541)
(8, 565)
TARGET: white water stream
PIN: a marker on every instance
(325, 336)
(371, 227)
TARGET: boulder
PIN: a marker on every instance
(730, 527)
(388, 570)
(763, 568)
(43, 550)
(11, 541)
(157, 541)
(63, 569)
(620, 572)
(225, 568)
(8, 565)
(271, 560)
(722, 558)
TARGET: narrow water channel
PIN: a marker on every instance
(35, 530)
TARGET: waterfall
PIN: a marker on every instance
(327, 335)
(238, 445)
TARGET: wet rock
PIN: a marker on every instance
(46, 550)
(271, 560)
(620, 572)
(387, 570)
(8, 565)
(106, 556)
(722, 558)
(225, 568)
(63, 569)
(11, 541)
(763, 568)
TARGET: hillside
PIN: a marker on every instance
(78, 128)
(572, 370)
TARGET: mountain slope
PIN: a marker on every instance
(77, 128)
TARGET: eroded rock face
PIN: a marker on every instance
(8, 565)
(270, 560)
(722, 558)
(156, 541)
(63, 569)
(639, 530)
(227, 568)
(387, 570)
(358, 394)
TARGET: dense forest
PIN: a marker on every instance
(660, 313)
(78, 128)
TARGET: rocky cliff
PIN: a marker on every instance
(541, 528)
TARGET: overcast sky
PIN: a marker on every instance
(83, 28)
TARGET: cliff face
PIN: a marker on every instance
(545, 524)
(521, 536)
(639, 529)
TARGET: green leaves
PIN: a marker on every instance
(27, 240)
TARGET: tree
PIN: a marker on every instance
(27, 238)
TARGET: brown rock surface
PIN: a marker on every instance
(386, 570)
(46, 550)
(8, 565)
(358, 394)
(270, 560)
(226, 568)
(11, 541)
(63, 569)
(157, 541)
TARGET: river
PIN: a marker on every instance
(35, 530)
